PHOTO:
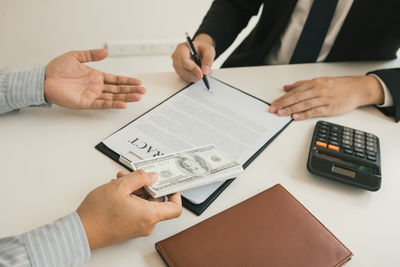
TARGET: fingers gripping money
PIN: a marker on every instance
(187, 169)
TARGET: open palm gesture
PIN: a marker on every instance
(72, 84)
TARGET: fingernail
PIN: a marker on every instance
(281, 112)
(295, 116)
(154, 176)
(272, 109)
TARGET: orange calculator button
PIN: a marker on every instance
(336, 148)
(321, 144)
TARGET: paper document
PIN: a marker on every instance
(188, 169)
(237, 123)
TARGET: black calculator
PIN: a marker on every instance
(346, 155)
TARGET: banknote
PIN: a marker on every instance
(187, 169)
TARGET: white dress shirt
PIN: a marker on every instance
(283, 50)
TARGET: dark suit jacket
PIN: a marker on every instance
(371, 31)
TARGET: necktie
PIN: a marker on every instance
(314, 32)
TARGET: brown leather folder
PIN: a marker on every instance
(269, 229)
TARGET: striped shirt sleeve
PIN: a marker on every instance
(13, 252)
(21, 88)
(62, 243)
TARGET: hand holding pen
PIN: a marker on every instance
(184, 63)
(196, 58)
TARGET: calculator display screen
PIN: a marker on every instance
(349, 164)
(342, 171)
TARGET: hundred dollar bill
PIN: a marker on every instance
(187, 169)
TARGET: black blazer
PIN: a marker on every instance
(371, 31)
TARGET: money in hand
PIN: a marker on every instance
(187, 169)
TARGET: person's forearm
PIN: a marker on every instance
(373, 93)
(21, 88)
(62, 243)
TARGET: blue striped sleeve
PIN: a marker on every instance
(21, 88)
(13, 252)
(62, 243)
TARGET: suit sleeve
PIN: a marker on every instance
(226, 19)
(391, 77)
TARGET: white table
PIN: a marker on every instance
(49, 164)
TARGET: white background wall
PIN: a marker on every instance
(33, 32)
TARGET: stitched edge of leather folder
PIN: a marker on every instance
(344, 259)
(163, 255)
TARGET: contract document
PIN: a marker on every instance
(237, 123)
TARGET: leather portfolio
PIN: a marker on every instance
(269, 229)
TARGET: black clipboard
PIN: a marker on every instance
(197, 209)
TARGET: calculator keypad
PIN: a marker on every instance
(347, 140)
(346, 155)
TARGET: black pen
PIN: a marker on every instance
(196, 57)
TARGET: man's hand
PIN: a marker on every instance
(327, 96)
(71, 84)
(184, 64)
(112, 213)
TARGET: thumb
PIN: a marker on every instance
(207, 59)
(137, 179)
(90, 55)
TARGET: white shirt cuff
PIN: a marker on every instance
(387, 96)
